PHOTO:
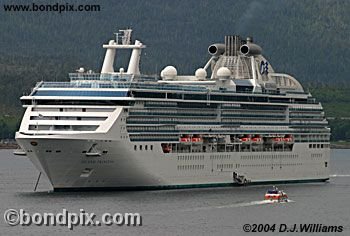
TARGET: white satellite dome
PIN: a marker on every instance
(80, 70)
(201, 73)
(223, 72)
(168, 72)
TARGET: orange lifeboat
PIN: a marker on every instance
(185, 139)
(288, 139)
(245, 139)
(196, 139)
(277, 140)
(257, 139)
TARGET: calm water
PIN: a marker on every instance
(218, 211)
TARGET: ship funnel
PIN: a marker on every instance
(216, 49)
(250, 49)
(232, 44)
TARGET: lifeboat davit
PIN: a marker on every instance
(276, 195)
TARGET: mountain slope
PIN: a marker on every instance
(308, 39)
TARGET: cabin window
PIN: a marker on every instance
(151, 147)
(140, 147)
(326, 164)
(146, 147)
(135, 147)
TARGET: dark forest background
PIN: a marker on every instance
(307, 39)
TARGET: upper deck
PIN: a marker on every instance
(239, 73)
(121, 89)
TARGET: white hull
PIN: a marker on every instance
(123, 167)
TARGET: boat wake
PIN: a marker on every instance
(243, 204)
(253, 203)
(235, 205)
(336, 176)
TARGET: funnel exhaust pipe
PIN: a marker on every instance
(216, 49)
(250, 49)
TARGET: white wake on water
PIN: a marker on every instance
(235, 205)
(335, 176)
(253, 203)
(243, 204)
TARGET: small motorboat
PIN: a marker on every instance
(277, 195)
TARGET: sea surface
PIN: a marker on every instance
(215, 211)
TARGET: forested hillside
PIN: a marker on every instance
(308, 39)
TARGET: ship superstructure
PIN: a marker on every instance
(243, 124)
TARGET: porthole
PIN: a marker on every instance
(33, 143)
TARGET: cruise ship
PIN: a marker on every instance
(234, 122)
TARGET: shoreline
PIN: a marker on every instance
(9, 146)
(340, 145)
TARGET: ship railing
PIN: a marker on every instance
(80, 84)
(38, 85)
(136, 85)
(114, 84)
(100, 77)
(120, 80)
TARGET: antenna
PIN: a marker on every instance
(123, 41)
(126, 38)
(116, 38)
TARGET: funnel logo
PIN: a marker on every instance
(264, 67)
